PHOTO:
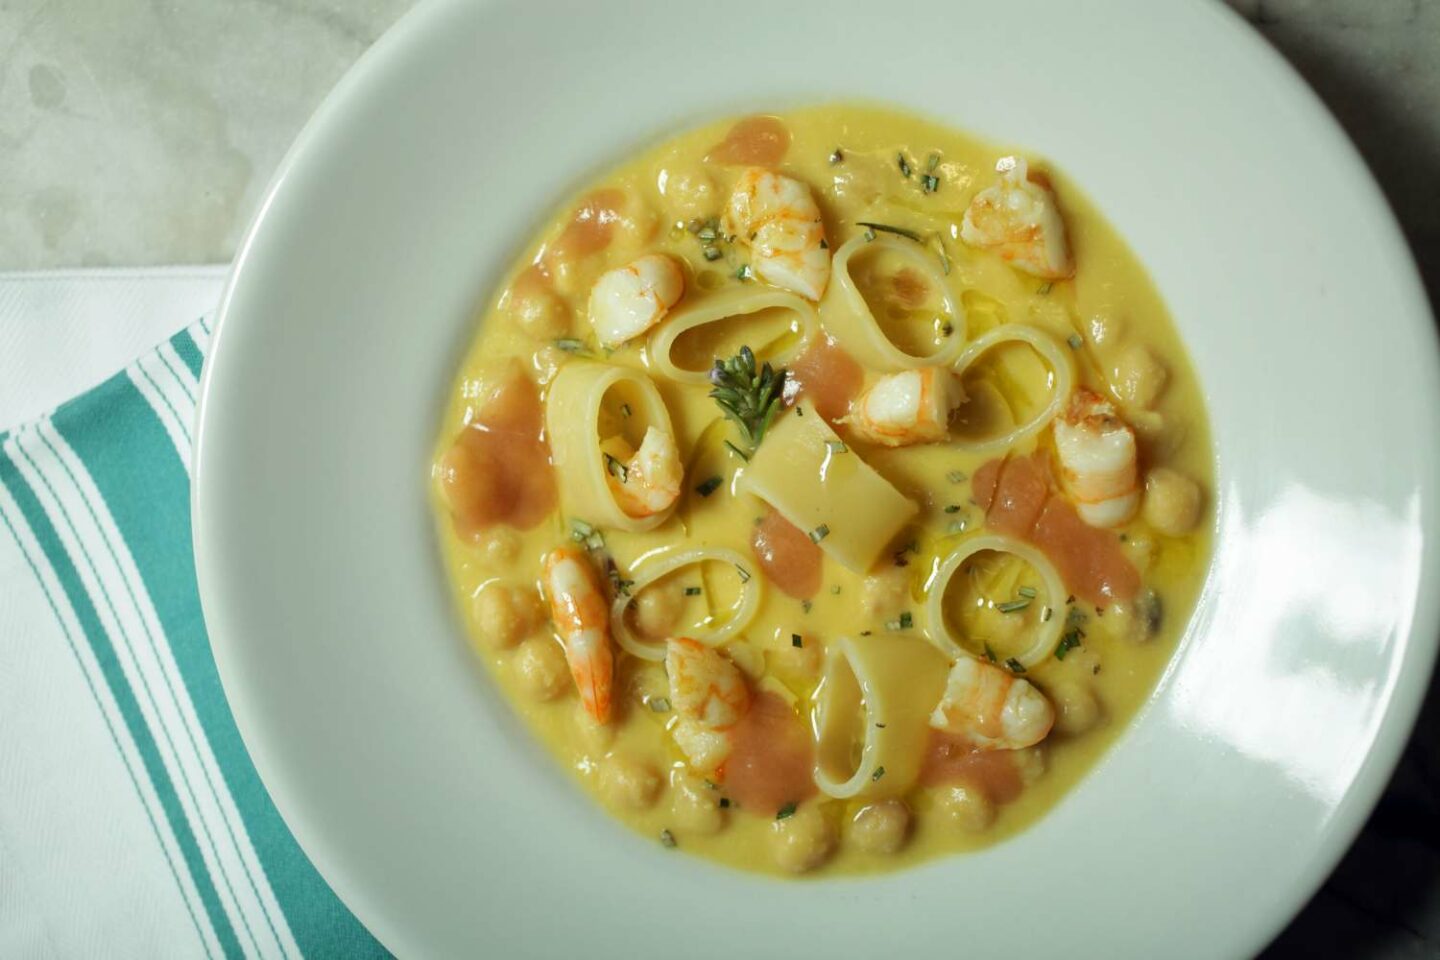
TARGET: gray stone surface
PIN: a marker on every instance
(143, 132)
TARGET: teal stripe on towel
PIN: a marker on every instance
(188, 350)
(60, 561)
(147, 490)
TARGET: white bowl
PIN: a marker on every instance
(406, 778)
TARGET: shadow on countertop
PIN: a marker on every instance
(1376, 64)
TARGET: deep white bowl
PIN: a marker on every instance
(407, 780)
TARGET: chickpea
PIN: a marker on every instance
(689, 194)
(1076, 707)
(597, 737)
(1138, 376)
(1172, 502)
(803, 840)
(500, 545)
(696, 807)
(886, 592)
(630, 783)
(505, 614)
(541, 668)
(1133, 622)
(881, 827)
(1030, 762)
(657, 610)
(967, 807)
(540, 312)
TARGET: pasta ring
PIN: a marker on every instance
(1048, 633)
(1049, 350)
(733, 302)
(849, 319)
(572, 417)
(895, 680)
(655, 568)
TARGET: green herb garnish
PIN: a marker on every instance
(617, 469)
(744, 574)
(955, 476)
(796, 640)
(879, 772)
(737, 451)
(1045, 288)
(929, 183)
(786, 812)
(579, 530)
(570, 344)
(625, 409)
(886, 228)
(667, 839)
(903, 164)
(1068, 642)
(659, 704)
(1012, 606)
(707, 487)
(749, 397)
(952, 508)
(744, 273)
(989, 654)
(711, 252)
(1014, 666)
(1075, 342)
(835, 446)
(837, 155)
(1028, 592)
(693, 591)
(820, 533)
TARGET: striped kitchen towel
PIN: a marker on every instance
(132, 823)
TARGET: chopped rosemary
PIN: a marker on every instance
(1014, 666)
(617, 469)
(947, 328)
(796, 640)
(886, 228)
(879, 725)
(744, 574)
(709, 231)
(806, 605)
(570, 344)
(748, 395)
(955, 476)
(724, 802)
(786, 812)
(929, 183)
(869, 234)
(1068, 642)
(660, 704)
(707, 487)
(904, 622)
(596, 541)
(903, 164)
(693, 591)
(952, 508)
(866, 633)
(835, 590)
(835, 446)
(837, 155)
(625, 410)
(579, 530)
(711, 252)
(932, 162)
(667, 839)
(1075, 342)
(1046, 614)
(989, 654)
(820, 533)
(1027, 592)
(737, 451)
(1045, 288)
(1012, 606)
(744, 273)
(879, 772)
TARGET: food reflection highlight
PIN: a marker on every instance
(824, 491)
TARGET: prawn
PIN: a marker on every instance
(582, 618)
(649, 481)
(1096, 450)
(779, 220)
(709, 695)
(913, 406)
(1020, 220)
(627, 301)
(991, 708)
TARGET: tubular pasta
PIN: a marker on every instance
(1049, 350)
(1047, 634)
(849, 319)
(655, 568)
(572, 423)
(814, 481)
(735, 301)
(892, 682)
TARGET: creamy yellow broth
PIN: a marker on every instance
(849, 158)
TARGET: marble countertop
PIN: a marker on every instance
(139, 132)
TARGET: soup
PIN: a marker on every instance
(826, 491)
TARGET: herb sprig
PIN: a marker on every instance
(748, 396)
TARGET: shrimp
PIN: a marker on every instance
(1097, 460)
(913, 406)
(582, 618)
(649, 481)
(709, 695)
(1018, 218)
(780, 221)
(627, 301)
(991, 708)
